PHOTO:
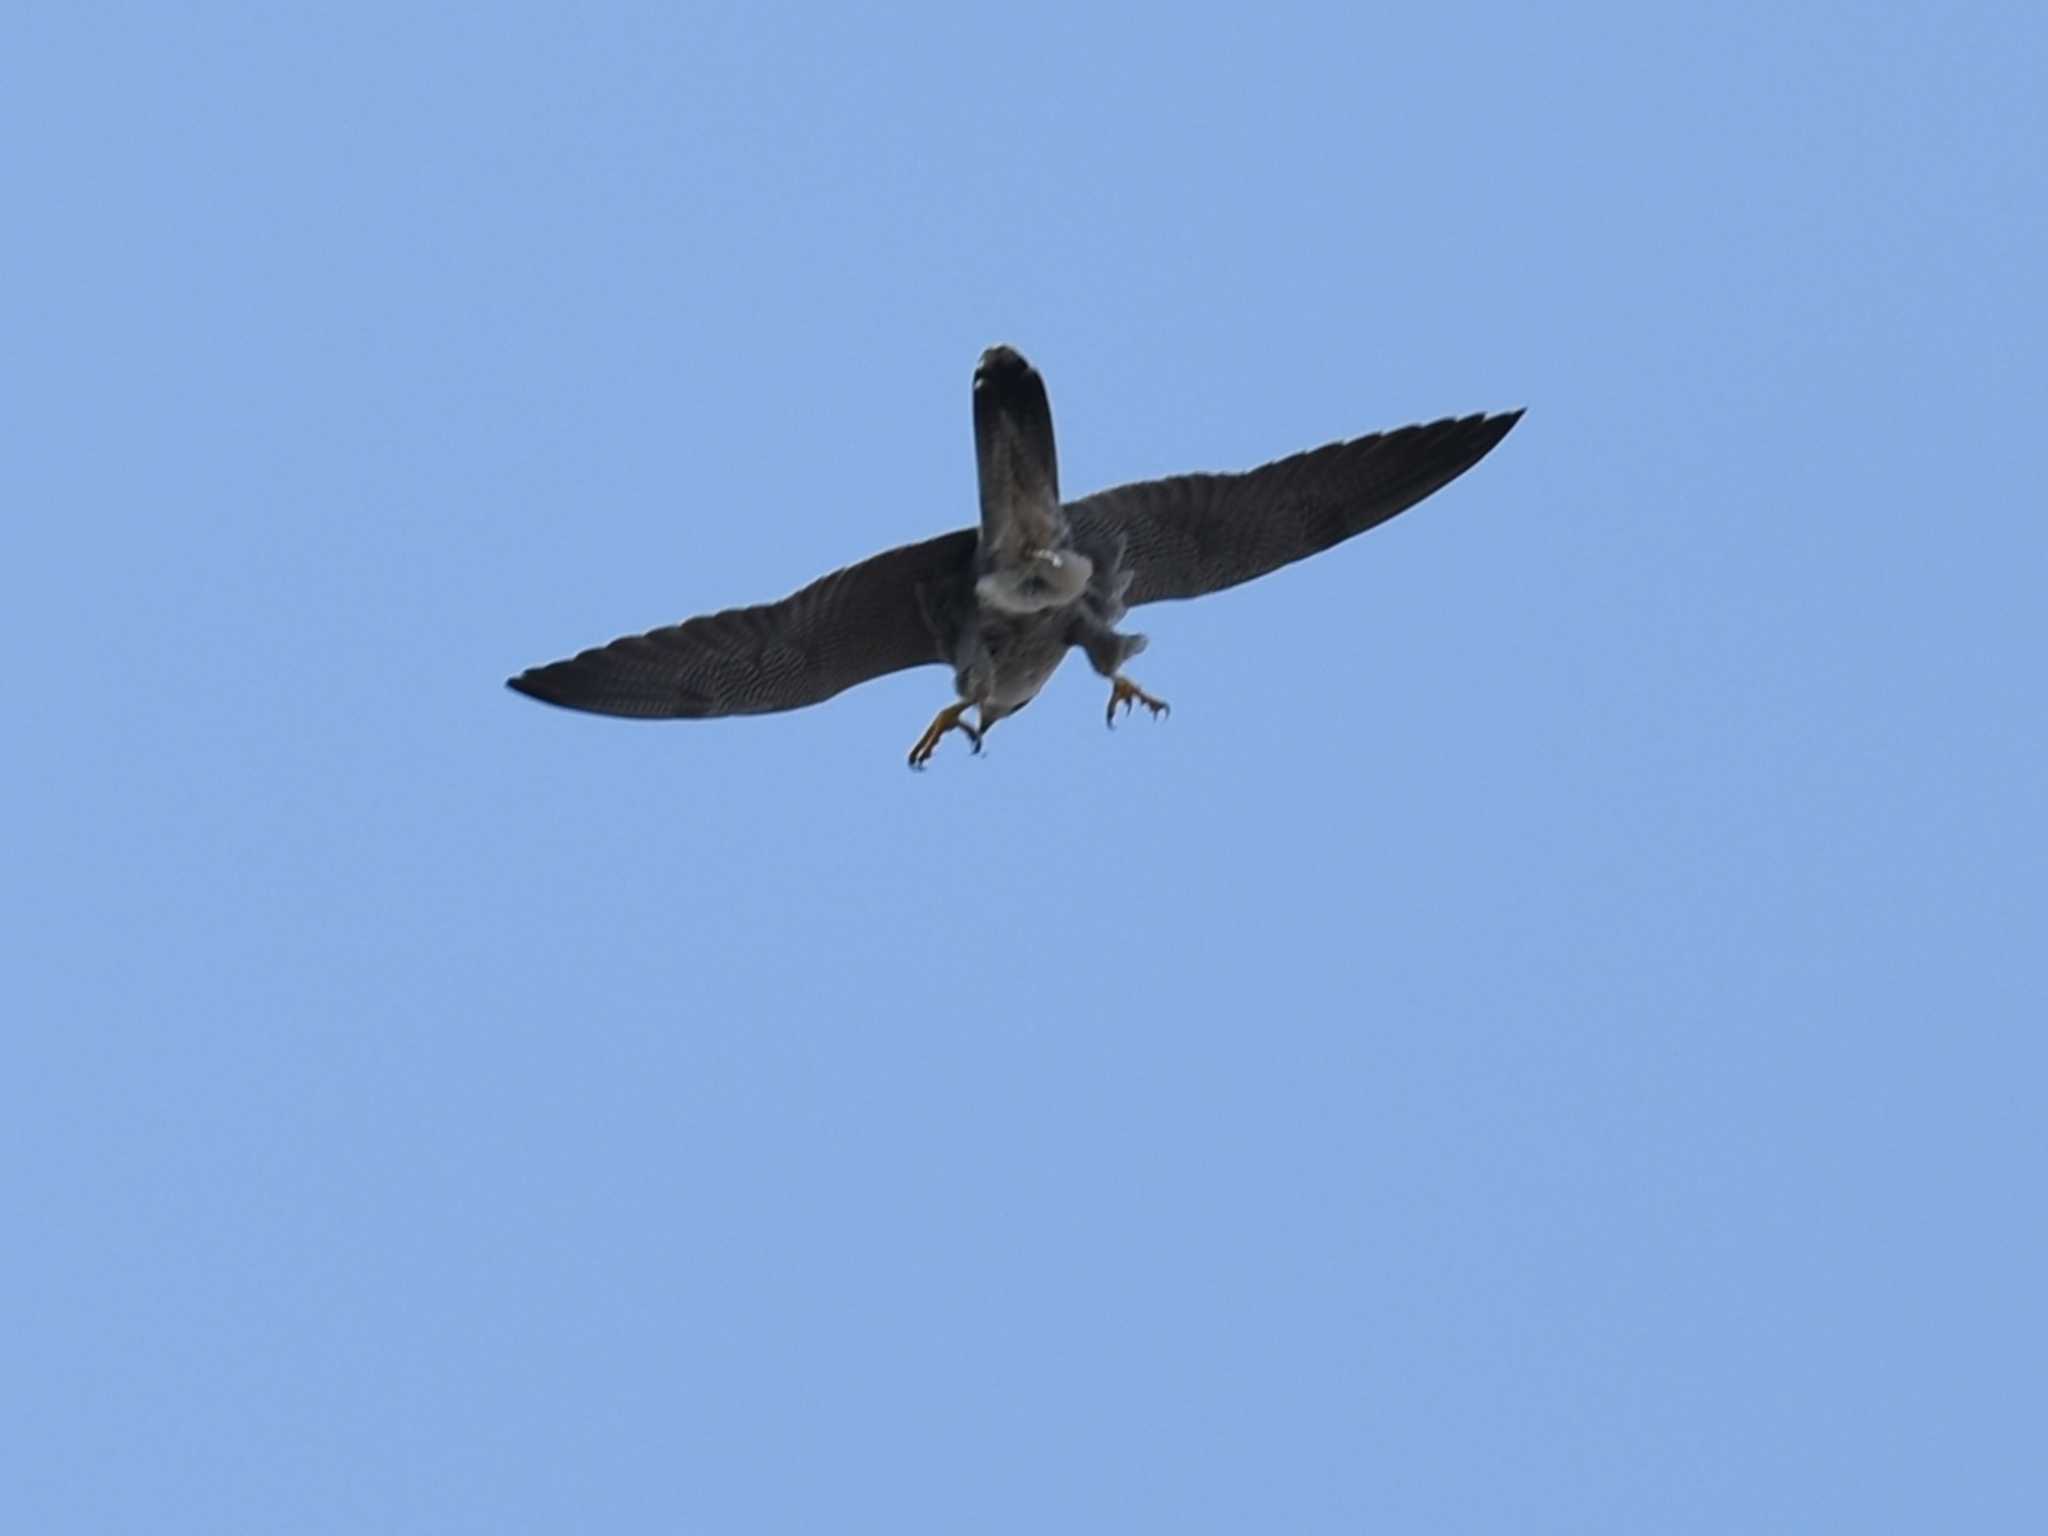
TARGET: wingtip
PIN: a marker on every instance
(531, 684)
(1500, 423)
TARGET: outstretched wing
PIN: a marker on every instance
(880, 616)
(1193, 534)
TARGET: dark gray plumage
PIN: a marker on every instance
(1196, 534)
(854, 625)
(1004, 602)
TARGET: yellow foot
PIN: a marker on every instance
(1125, 692)
(947, 719)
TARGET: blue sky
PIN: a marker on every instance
(1546, 1037)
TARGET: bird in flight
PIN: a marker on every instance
(1002, 603)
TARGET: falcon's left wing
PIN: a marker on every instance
(870, 619)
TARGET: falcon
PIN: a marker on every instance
(1003, 603)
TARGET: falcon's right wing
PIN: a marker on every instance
(1193, 534)
(863, 622)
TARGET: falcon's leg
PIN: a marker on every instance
(1107, 650)
(1127, 693)
(947, 719)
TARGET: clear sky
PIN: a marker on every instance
(1547, 1037)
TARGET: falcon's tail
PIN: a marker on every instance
(1019, 468)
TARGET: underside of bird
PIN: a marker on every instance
(1037, 593)
(1002, 603)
